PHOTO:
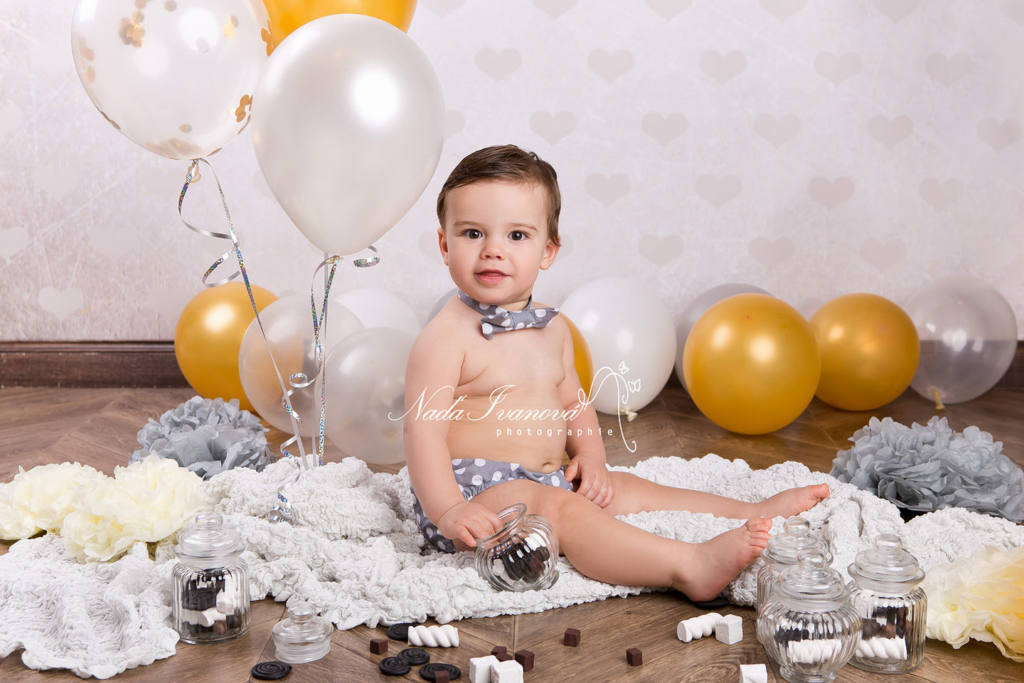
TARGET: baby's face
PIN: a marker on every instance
(495, 240)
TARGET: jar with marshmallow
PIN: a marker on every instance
(782, 552)
(892, 606)
(211, 582)
(808, 625)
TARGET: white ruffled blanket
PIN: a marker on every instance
(355, 552)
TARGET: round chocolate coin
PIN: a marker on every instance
(399, 631)
(414, 656)
(394, 666)
(428, 671)
(271, 671)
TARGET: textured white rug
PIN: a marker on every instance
(355, 552)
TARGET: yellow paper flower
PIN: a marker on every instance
(42, 497)
(146, 501)
(980, 597)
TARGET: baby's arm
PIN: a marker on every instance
(432, 373)
(584, 444)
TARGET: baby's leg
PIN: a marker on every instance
(607, 549)
(635, 494)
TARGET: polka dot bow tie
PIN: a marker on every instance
(496, 319)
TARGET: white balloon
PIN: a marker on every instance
(365, 376)
(175, 77)
(288, 324)
(968, 338)
(698, 307)
(381, 308)
(348, 125)
(630, 333)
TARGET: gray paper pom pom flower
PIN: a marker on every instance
(925, 468)
(207, 436)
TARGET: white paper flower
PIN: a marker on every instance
(145, 501)
(42, 497)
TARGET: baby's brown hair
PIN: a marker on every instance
(511, 164)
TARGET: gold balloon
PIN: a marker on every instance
(751, 364)
(869, 351)
(288, 15)
(581, 356)
(209, 336)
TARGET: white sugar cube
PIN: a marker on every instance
(753, 673)
(509, 671)
(480, 668)
(730, 629)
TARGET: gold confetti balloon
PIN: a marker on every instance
(174, 76)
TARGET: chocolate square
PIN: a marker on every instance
(378, 646)
(499, 650)
(525, 657)
(634, 656)
(571, 637)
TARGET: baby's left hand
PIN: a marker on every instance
(595, 484)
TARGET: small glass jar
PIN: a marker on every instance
(522, 556)
(782, 551)
(302, 636)
(808, 625)
(211, 582)
(891, 605)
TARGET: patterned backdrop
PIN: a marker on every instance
(811, 147)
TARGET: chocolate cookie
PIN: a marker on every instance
(429, 671)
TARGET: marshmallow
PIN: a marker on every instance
(208, 616)
(698, 627)
(882, 648)
(480, 668)
(509, 671)
(226, 603)
(753, 673)
(813, 651)
(434, 636)
(730, 629)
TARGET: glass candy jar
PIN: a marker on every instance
(522, 556)
(891, 605)
(302, 636)
(211, 583)
(807, 624)
(782, 551)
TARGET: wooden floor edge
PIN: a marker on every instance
(152, 364)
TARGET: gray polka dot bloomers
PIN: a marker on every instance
(475, 475)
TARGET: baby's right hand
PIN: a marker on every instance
(467, 522)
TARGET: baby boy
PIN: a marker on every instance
(493, 402)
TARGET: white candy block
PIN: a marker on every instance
(208, 616)
(480, 668)
(226, 603)
(509, 671)
(730, 629)
(434, 636)
(697, 627)
(753, 673)
(813, 651)
(882, 648)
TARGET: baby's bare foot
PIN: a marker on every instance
(793, 501)
(715, 563)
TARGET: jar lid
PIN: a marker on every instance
(886, 564)
(207, 538)
(785, 548)
(302, 636)
(811, 583)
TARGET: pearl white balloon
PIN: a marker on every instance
(288, 324)
(968, 338)
(623, 323)
(381, 308)
(692, 313)
(174, 77)
(348, 125)
(365, 375)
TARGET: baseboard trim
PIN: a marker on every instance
(152, 364)
(89, 364)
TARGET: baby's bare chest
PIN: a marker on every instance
(530, 361)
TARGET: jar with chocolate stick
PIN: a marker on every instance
(211, 582)
(522, 555)
(892, 607)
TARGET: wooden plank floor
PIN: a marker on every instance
(98, 427)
